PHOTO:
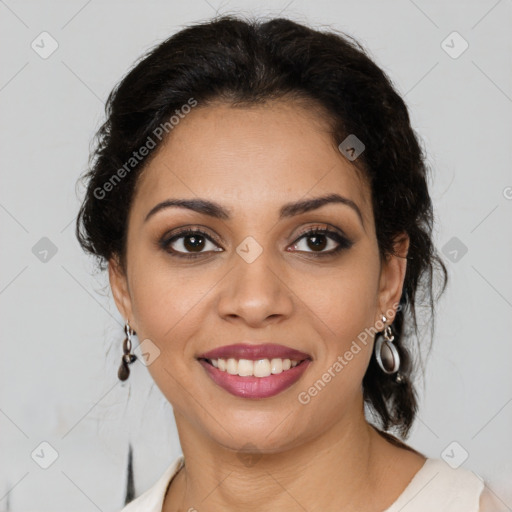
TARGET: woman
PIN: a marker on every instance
(261, 202)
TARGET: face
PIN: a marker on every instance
(255, 270)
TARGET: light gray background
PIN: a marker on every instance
(58, 380)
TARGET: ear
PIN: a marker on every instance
(392, 277)
(120, 290)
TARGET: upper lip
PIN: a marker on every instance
(255, 352)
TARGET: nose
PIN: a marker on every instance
(256, 293)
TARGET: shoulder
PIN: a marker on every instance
(431, 483)
(489, 503)
(153, 498)
(438, 486)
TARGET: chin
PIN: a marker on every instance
(269, 431)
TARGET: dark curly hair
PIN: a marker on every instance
(246, 61)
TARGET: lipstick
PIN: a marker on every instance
(288, 365)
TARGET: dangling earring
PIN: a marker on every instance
(124, 372)
(386, 353)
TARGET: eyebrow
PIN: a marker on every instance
(217, 211)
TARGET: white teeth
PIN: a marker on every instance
(249, 368)
(232, 366)
(276, 366)
(245, 368)
(261, 368)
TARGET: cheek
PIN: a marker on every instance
(342, 306)
(344, 300)
(164, 300)
(169, 308)
(346, 315)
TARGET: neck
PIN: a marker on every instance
(340, 462)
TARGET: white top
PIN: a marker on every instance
(435, 487)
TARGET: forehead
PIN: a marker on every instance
(252, 157)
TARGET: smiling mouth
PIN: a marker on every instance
(254, 368)
(254, 378)
(254, 371)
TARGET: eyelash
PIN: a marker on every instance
(343, 243)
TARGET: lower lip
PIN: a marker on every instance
(255, 387)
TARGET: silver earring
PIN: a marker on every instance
(386, 353)
(124, 372)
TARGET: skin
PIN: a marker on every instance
(252, 161)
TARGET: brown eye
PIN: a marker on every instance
(193, 242)
(317, 240)
(189, 243)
